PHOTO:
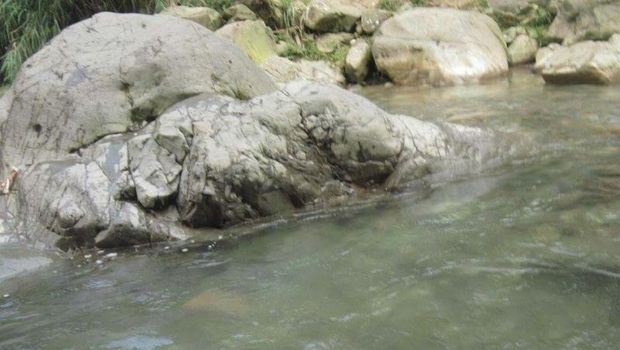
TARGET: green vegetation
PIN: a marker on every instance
(390, 5)
(308, 50)
(28, 24)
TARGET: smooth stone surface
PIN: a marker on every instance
(439, 46)
(588, 62)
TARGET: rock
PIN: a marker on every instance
(204, 16)
(511, 34)
(283, 70)
(579, 20)
(239, 12)
(439, 47)
(522, 50)
(72, 92)
(332, 15)
(357, 61)
(154, 170)
(307, 145)
(329, 42)
(587, 62)
(252, 37)
(372, 19)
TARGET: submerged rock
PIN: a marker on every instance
(439, 47)
(588, 62)
(111, 74)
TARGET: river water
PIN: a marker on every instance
(525, 256)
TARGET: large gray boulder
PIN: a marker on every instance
(587, 62)
(439, 46)
(222, 161)
(579, 20)
(110, 74)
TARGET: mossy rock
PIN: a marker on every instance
(254, 38)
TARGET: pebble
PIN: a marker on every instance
(111, 255)
(5, 296)
(184, 250)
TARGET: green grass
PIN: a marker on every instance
(309, 51)
(27, 25)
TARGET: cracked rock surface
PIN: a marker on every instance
(214, 161)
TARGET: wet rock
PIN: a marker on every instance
(372, 19)
(204, 16)
(252, 37)
(357, 61)
(332, 15)
(283, 70)
(329, 42)
(588, 62)
(239, 12)
(579, 20)
(522, 50)
(72, 93)
(439, 47)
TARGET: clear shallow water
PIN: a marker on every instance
(526, 256)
